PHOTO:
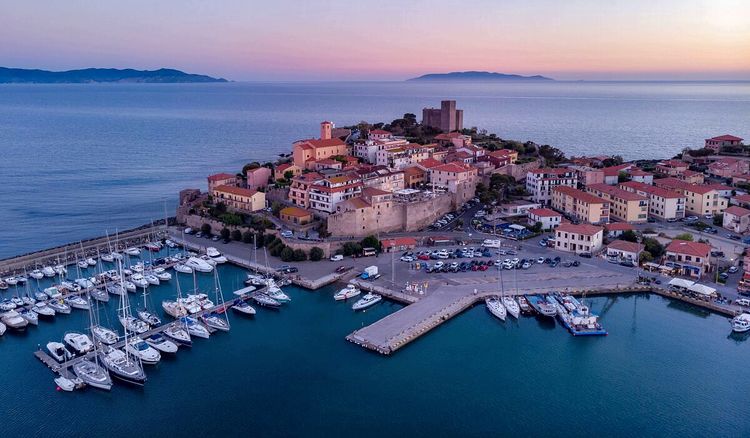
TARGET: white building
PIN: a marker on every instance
(326, 194)
(550, 219)
(539, 182)
(583, 238)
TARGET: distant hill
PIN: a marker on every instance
(94, 75)
(477, 76)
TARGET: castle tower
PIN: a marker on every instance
(325, 130)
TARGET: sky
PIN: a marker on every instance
(290, 40)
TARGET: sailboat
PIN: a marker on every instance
(214, 319)
(147, 316)
(89, 369)
(122, 364)
(496, 308)
(509, 302)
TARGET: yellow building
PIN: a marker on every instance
(624, 205)
(240, 199)
(583, 238)
(580, 205)
(700, 199)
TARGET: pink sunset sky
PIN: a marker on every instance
(385, 39)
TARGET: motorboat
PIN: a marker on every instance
(153, 246)
(265, 301)
(14, 320)
(66, 384)
(28, 300)
(215, 255)
(78, 342)
(53, 292)
(199, 265)
(48, 271)
(59, 306)
(40, 296)
(91, 261)
(11, 281)
(741, 323)
(16, 300)
(174, 309)
(139, 280)
(255, 280)
(7, 304)
(540, 304)
(178, 334)
(83, 265)
(161, 343)
(511, 306)
(129, 286)
(208, 260)
(149, 318)
(134, 325)
(194, 327)
(116, 255)
(109, 258)
(138, 267)
(170, 244)
(29, 316)
(368, 300)
(42, 309)
(242, 307)
(496, 308)
(183, 269)
(84, 283)
(201, 299)
(58, 351)
(2, 329)
(104, 335)
(277, 294)
(60, 270)
(3, 284)
(123, 366)
(77, 302)
(99, 295)
(152, 279)
(162, 274)
(133, 251)
(216, 322)
(92, 374)
(348, 292)
(139, 348)
(37, 274)
(116, 289)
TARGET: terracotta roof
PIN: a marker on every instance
(321, 143)
(737, 211)
(429, 163)
(673, 163)
(358, 202)
(502, 153)
(624, 245)
(283, 167)
(239, 191)
(618, 226)
(697, 249)
(638, 172)
(543, 212)
(617, 192)
(585, 229)
(399, 241)
(551, 170)
(615, 170)
(674, 183)
(372, 191)
(742, 198)
(725, 137)
(220, 177)
(450, 136)
(580, 195)
(380, 132)
(414, 170)
(295, 211)
(652, 190)
(451, 167)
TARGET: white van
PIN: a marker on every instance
(337, 258)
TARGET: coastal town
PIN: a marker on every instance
(430, 215)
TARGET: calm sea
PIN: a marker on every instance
(665, 369)
(81, 159)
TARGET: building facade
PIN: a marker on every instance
(549, 219)
(624, 205)
(447, 118)
(540, 182)
(580, 206)
(583, 238)
(240, 199)
(736, 219)
(663, 203)
(688, 258)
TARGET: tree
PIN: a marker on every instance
(225, 233)
(629, 235)
(288, 175)
(371, 242)
(684, 236)
(646, 257)
(623, 177)
(287, 254)
(237, 235)
(206, 228)
(276, 208)
(351, 249)
(719, 220)
(247, 237)
(299, 255)
(231, 219)
(537, 227)
(653, 246)
(316, 253)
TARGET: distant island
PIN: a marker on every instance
(99, 75)
(477, 76)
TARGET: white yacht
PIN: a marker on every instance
(92, 374)
(139, 348)
(60, 270)
(77, 302)
(129, 286)
(83, 265)
(59, 306)
(14, 320)
(138, 280)
(496, 308)
(80, 343)
(53, 292)
(29, 316)
(123, 366)
(149, 318)
(58, 351)
(511, 306)
(348, 292)
(84, 283)
(178, 333)
(48, 271)
(184, 269)
(174, 309)
(151, 279)
(91, 261)
(7, 304)
(194, 327)
(104, 335)
(162, 274)
(199, 265)
(133, 325)
(135, 252)
(368, 300)
(243, 307)
(741, 323)
(37, 274)
(161, 343)
(138, 267)
(66, 384)
(109, 258)
(208, 260)
(215, 255)
(116, 289)
(275, 292)
(216, 322)
(42, 309)
(2, 329)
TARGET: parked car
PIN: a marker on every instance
(585, 255)
(287, 233)
(540, 260)
(709, 216)
(189, 230)
(407, 258)
(337, 258)
(732, 269)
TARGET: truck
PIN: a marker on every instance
(370, 273)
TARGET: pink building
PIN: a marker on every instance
(257, 177)
(716, 143)
(726, 167)
(221, 179)
(589, 175)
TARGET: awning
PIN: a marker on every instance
(681, 282)
(702, 289)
